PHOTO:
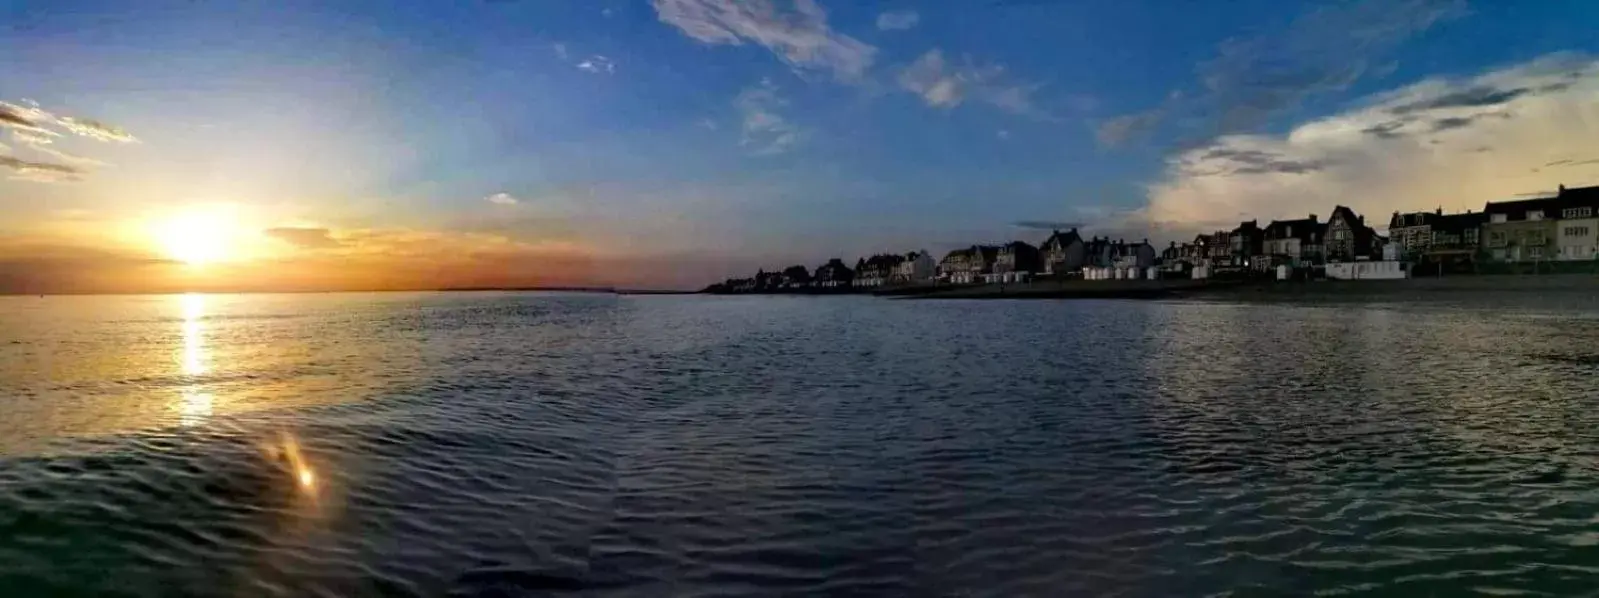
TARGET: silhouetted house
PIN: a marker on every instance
(834, 274)
(1139, 255)
(1196, 253)
(1411, 232)
(877, 270)
(1456, 234)
(965, 266)
(1292, 243)
(1061, 253)
(1172, 254)
(1219, 248)
(1347, 237)
(1015, 261)
(1246, 243)
(796, 276)
(917, 268)
(1522, 230)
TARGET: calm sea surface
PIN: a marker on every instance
(546, 444)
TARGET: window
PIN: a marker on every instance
(1496, 239)
(1576, 231)
(1497, 218)
(1576, 212)
(1535, 252)
(1535, 215)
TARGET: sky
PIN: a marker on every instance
(166, 146)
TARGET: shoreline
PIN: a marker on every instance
(1571, 286)
(1410, 289)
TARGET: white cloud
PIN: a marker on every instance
(1002, 134)
(560, 50)
(898, 20)
(942, 85)
(597, 64)
(504, 199)
(1252, 79)
(1123, 129)
(1455, 143)
(799, 35)
(764, 128)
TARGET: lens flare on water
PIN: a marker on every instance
(303, 474)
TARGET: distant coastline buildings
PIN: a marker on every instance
(1556, 233)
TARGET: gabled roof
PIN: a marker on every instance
(1301, 229)
(1346, 214)
(884, 260)
(1064, 239)
(1015, 246)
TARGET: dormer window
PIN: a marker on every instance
(1535, 215)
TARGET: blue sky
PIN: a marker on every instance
(713, 135)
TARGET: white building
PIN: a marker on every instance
(1578, 238)
(1383, 270)
(917, 268)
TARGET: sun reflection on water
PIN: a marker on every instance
(195, 403)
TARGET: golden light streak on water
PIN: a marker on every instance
(303, 474)
(195, 405)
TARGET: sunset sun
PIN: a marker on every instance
(197, 237)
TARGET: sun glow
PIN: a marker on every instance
(198, 236)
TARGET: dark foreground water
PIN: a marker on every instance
(525, 444)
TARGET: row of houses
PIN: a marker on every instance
(1559, 227)
(875, 271)
(1060, 254)
(1343, 237)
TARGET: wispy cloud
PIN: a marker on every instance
(504, 199)
(943, 85)
(898, 20)
(30, 127)
(40, 172)
(560, 50)
(1047, 225)
(304, 237)
(764, 128)
(1253, 79)
(1128, 128)
(799, 35)
(597, 64)
(1449, 142)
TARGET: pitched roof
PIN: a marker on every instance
(1455, 223)
(1517, 209)
(1348, 215)
(1405, 219)
(1292, 229)
(1064, 239)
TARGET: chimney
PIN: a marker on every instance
(1312, 217)
(1562, 189)
(1440, 211)
(1074, 230)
